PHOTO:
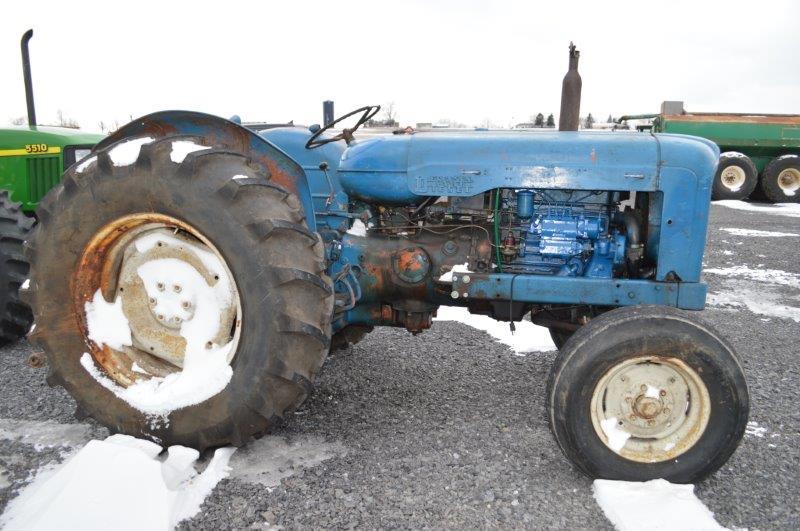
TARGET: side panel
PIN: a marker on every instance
(218, 131)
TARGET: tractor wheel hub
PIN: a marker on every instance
(158, 309)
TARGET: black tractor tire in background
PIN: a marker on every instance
(15, 315)
(630, 333)
(780, 180)
(256, 225)
(733, 166)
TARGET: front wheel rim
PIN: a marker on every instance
(650, 409)
(124, 263)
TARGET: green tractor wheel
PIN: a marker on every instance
(15, 315)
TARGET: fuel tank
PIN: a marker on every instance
(404, 169)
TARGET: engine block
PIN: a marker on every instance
(565, 239)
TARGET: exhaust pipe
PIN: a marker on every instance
(571, 94)
(327, 112)
(26, 74)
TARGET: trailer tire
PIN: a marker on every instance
(284, 299)
(736, 177)
(780, 181)
(15, 315)
(627, 368)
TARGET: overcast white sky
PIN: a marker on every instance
(462, 59)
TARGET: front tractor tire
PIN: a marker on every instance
(647, 392)
(15, 226)
(736, 177)
(213, 215)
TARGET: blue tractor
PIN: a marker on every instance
(190, 276)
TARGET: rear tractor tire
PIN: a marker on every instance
(780, 180)
(736, 177)
(647, 392)
(15, 226)
(207, 247)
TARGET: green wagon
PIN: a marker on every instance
(759, 152)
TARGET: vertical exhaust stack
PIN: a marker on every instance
(327, 112)
(569, 118)
(26, 74)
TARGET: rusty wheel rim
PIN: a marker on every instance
(156, 314)
(650, 409)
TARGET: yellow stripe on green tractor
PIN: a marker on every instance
(30, 150)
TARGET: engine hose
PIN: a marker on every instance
(496, 216)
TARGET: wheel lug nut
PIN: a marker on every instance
(209, 345)
(176, 288)
(177, 319)
(643, 388)
(152, 301)
(186, 305)
(160, 317)
(663, 393)
(160, 286)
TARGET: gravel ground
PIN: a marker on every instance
(447, 429)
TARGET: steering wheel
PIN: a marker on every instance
(347, 133)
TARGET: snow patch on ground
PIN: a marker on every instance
(181, 148)
(127, 152)
(272, 458)
(759, 233)
(759, 302)
(358, 228)
(107, 323)
(617, 437)
(44, 434)
(527, 338)
(119, 480)
(754, 429)
(779, 209)
(653, 505)
(772, 276)
(458, 268)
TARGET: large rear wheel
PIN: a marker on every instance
(181, 299)
(647, 392)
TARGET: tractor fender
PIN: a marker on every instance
(216, 131)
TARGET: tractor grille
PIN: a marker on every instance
(43, 174)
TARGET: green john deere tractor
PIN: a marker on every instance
(32, 160)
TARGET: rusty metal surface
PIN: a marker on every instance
(98, 268)
(218, 132)
(399, 275)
